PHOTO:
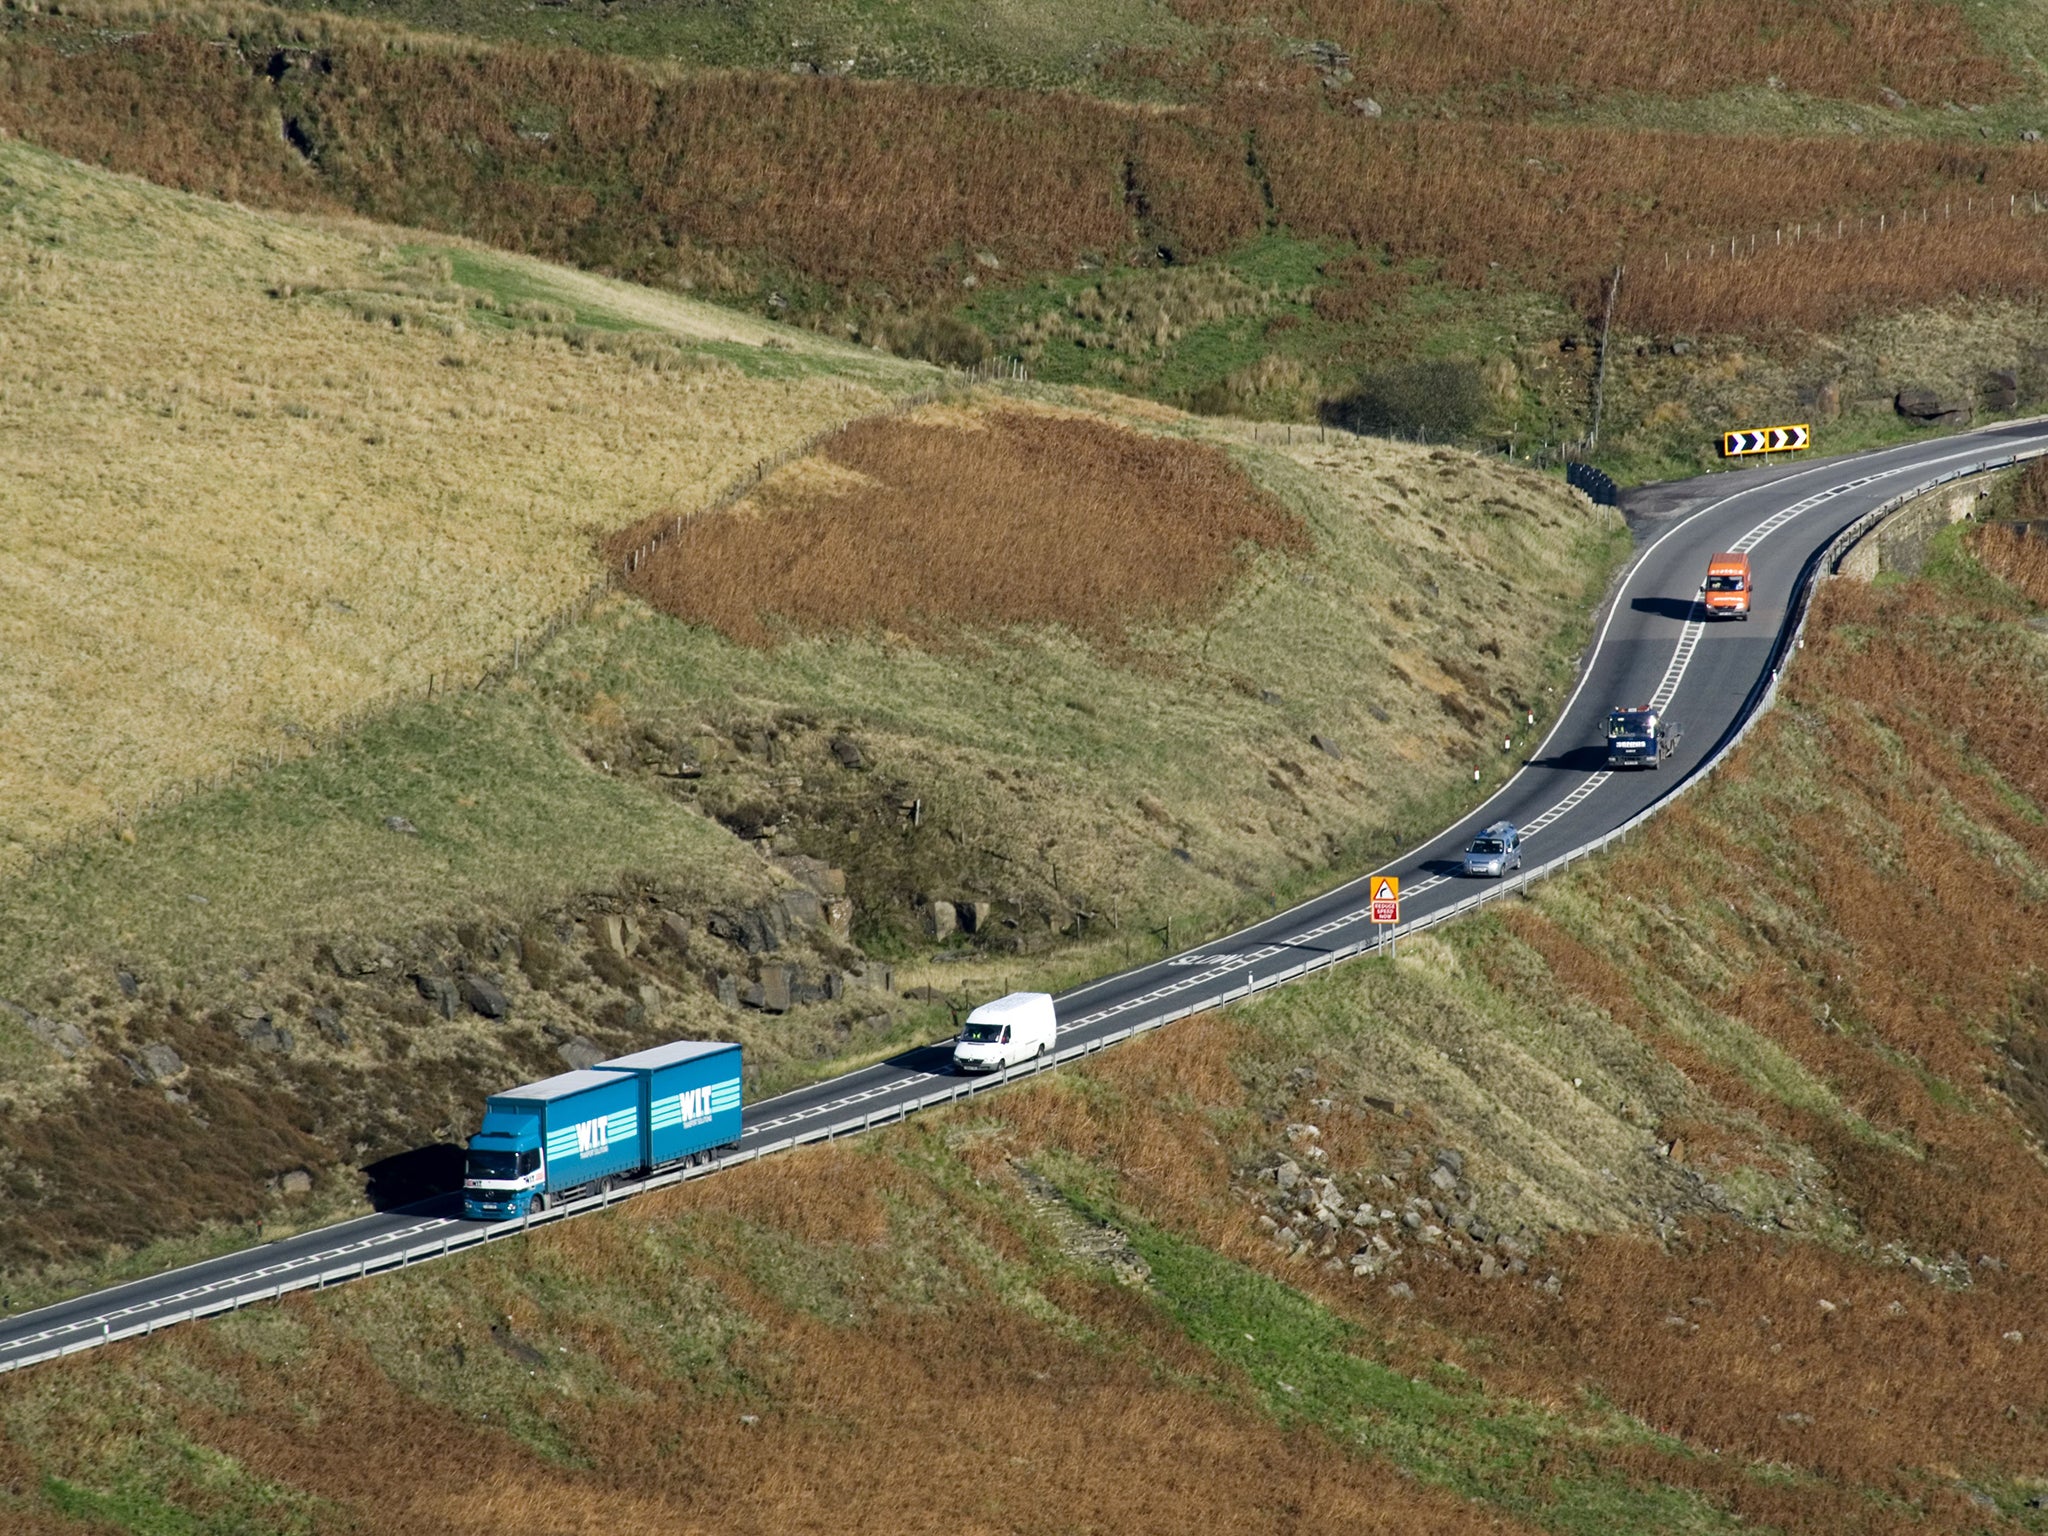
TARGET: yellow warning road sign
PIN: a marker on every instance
(1766, 440)
(1386, 898)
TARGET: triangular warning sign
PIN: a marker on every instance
(1386, 888)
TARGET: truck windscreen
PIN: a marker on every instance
(1628, 725)
(492, 1165)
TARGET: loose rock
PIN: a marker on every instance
(264, 1035)
(440, 991)
(156, 1062)
(580, 1053)
(485, 997)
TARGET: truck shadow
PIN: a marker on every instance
(408, 1178)
(1580, 759)
(1684, 609)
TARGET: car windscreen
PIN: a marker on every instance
(492, 1165)
(1724, 583)
(1488, 845)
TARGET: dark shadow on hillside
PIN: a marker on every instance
(407, 1178)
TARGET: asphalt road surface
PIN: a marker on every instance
(1651, 646)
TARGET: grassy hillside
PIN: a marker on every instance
(1267, 212)
(1697, 1193)
(1068, 707)
(257, 476)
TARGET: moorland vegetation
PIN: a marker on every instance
(1696, 1193)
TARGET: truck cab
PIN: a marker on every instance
(553, 1140)
(1638, 738)
(502, 1171)
(1726, 592)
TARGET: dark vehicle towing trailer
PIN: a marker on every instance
(1639, 738)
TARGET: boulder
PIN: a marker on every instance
(1324, 745)
(675, 932)
(60, 1035)
(848, 753)
(156, 1062)
(814, 874)
(941, 918)
(264, 1035)
(400, 824)
(1453, 1159)
(1365, 106)
(608, 933)
(1917, 402)
(579, 1053)
(130, 987)
(762, 930)
(801, 908)
(773, 993)
(839, 918)
(440, 992)
(975, 916)
(328, 1022)
(485, 996)
(2000, 390)
(297, 1181)
(729, 991)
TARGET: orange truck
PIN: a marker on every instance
(1726, 591)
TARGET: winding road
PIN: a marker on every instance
(1651, 646)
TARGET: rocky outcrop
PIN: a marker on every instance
(1918, 402)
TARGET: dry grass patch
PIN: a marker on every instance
(1834, 48)
(2014, 557)
(1008, 517)
(229, 519)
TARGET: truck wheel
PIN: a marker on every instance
(604, 1185)
(537, 1204)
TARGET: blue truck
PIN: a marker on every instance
(577, 1132)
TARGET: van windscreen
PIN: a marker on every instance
(1726, 581)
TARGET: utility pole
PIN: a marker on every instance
(1600, 377)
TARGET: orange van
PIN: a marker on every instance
(1726, 589)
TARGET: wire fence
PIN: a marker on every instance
(1969, 208)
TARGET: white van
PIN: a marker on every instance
(1009, 1030)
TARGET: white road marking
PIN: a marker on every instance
(233, 1282)
(891, 1085)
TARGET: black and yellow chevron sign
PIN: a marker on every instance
(1766, 440)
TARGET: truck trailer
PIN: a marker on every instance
(575, 1133)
